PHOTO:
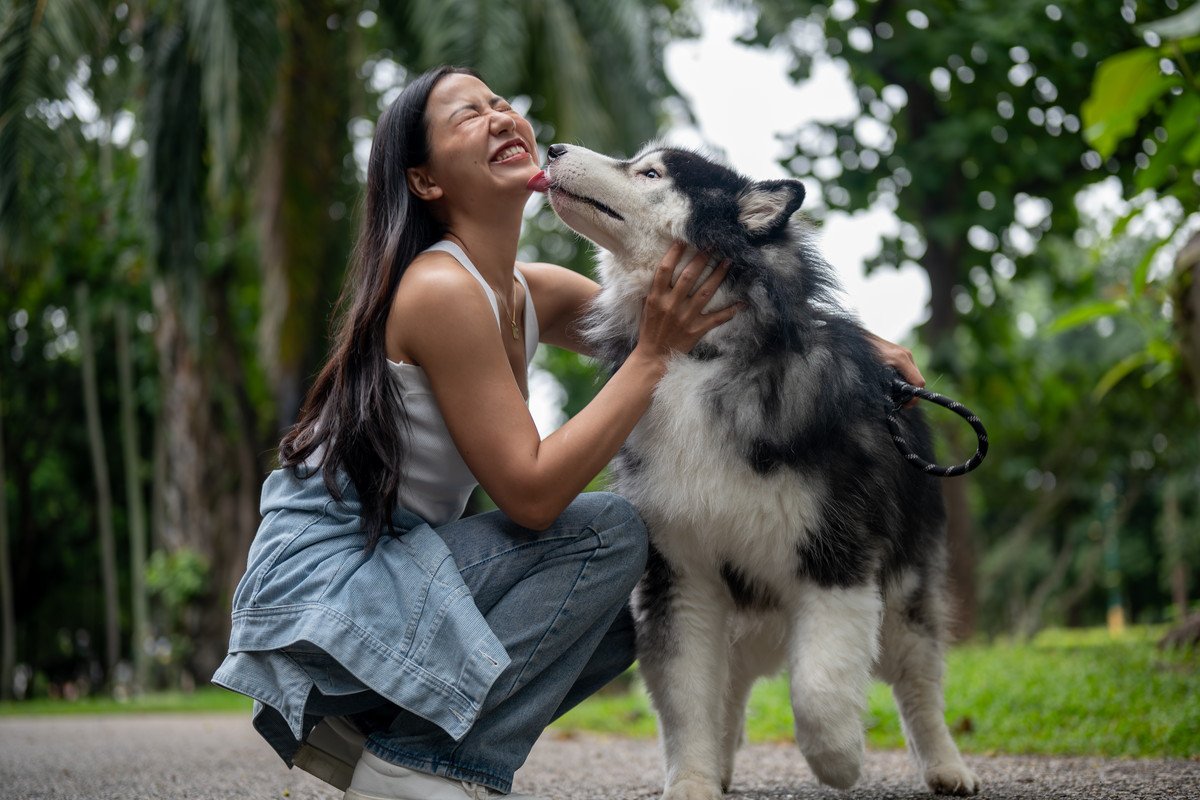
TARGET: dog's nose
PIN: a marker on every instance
(555, 150)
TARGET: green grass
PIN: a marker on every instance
(1067, 692)
(205, 699)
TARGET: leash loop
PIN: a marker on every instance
(902, 392)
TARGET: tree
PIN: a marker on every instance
(1153, 92)
(104, 501)
(134, 502)
(8, 645)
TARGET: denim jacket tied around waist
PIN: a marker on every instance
(399, 619)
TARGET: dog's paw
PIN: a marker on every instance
(837, 768)
(692, 790)
(953, 778)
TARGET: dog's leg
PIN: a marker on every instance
(754, 655)
(684, 659)
(911, 660)
(833, 647)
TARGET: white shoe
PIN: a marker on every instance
(376, 779)
(331, 751)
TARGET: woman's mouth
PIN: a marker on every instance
(510, 152)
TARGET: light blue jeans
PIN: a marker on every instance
(558, 601)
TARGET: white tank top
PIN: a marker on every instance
(437, 482)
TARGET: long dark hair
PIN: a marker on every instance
(353, 410)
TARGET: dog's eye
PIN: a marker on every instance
(650, 173)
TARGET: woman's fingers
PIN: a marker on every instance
(719, 317)
(708, 287)
(666, 267)
(673, 318)
(685, 284)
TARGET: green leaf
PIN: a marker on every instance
(1117, 372)
(1125, 87)
(1161, 351)
(1083, 314)
(1142, 270)
(1191, 153)
(1179, 26)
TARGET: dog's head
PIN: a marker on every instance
(636, 208)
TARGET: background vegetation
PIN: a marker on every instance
(178, 184)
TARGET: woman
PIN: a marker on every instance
(368, 606)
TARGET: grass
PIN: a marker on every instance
(206, 699)
(1075, 692)
(1066, 692)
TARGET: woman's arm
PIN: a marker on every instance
(561, 298)
(449, 329)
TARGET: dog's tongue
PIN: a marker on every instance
(539, 182)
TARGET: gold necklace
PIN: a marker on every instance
(511, 313)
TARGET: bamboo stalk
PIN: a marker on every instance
(104, 509)
(8, 649)
(134, 501)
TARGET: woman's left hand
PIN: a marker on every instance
(900, 359)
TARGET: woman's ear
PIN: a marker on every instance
(421, 183)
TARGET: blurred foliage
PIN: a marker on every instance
(140, 140)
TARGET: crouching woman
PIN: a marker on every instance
(393, 648)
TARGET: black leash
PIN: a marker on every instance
(902, 392)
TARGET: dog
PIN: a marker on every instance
(786, 530)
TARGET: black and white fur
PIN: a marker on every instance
(786, 530)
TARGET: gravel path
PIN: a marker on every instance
(219, 757)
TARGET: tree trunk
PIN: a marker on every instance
(942, 268)
(104, 510)
(303, 197)
(195, 480)
(1172, 530)
(246, 446)
(1186, 296)
(134, 502)
(8, 650)
(1185, 292)
(211, 474)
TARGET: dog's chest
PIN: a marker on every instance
(703, 501)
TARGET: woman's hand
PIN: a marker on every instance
(673, 319)
(900, 359)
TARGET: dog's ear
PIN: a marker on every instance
(765, 206)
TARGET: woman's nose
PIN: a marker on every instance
(505, 122)
(555, 150)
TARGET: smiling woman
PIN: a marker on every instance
(394, 649)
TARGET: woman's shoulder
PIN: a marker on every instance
(433, 280)
(435, 295)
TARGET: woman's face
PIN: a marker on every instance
(480, 149)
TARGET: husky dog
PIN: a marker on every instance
(786, 529)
